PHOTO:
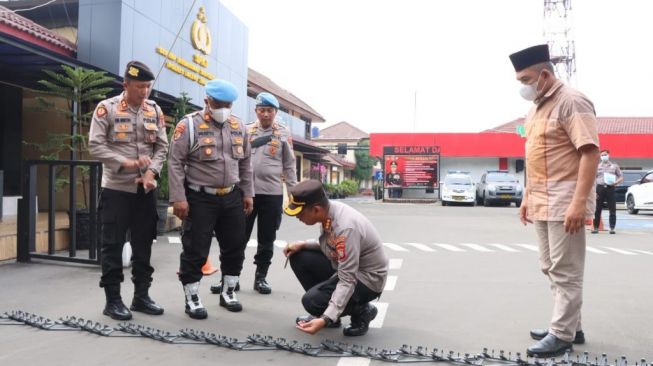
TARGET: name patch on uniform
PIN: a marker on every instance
(101, 112)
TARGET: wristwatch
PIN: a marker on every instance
(327, 320)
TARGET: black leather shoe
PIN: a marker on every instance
(538, 334)
(360, 323)
(117, 310)
(145, 304)
(308, 318)
(262, 286)
(549, 346)
(217, 289)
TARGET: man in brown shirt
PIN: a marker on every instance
(561, 155)
(343, 270)
(128, 136)
(210, 177)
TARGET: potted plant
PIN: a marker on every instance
(81, 88)
(181, 108)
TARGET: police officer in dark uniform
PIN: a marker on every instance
(128, 136)
(343, 270)
(210, 177)
(273, 162)
(394, 180)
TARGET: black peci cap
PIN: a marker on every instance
(137, 70)
(304, 194)
(530, 56)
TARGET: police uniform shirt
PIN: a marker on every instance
(393, 179)
(272, 161)
(219, 157)
(354, 248)
(119, 132)
(607, 167)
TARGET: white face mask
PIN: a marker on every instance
(529, 91)
(221, 114)
(605, 158)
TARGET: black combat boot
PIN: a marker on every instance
(261, 285)
(228, 297)
(194, 307)
(115, 307)
(143, 302)
(360, 320)
(217, 288)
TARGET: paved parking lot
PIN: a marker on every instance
(461, 278)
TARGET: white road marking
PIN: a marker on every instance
(529, 247)
(280, 243)
(642, 251)
(353, 361)
(477, 247)
(380, 317)
(621, 251)
(390, 283)
(395, 263)
(505, 248)
(252, 243)
(594, 250)
(174, 240)
(395, 247)
(422, 247)
(450, 247)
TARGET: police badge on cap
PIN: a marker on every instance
(529, 57)
(304, 194)
(137, 70)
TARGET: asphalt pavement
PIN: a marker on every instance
(461, 279)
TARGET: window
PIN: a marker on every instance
(648, 178)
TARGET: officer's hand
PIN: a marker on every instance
(523, 213)
(148, 180)
(129, 165)
(248, 205)
(144, 161)
(574, 218)
(292, 248)
(311, 327)
(180, 209)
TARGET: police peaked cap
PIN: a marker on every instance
(137, 70)
(221, 90)
(530, 56)
(304, 194)
(266, 99)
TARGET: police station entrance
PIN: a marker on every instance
(411, 173)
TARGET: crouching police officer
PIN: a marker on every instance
(128, 136)
(210, 177)
(343, 270)
(272, 160)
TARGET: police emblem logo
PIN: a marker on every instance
(121, 135)
(207, 140)
(122, 127)
(208, 151)
(273, 150)
(238, 140)
(179, 130)
(204, 126)
(133, 71)
(101, 111)
(150, 126)
(234, 125)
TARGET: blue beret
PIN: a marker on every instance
(221, 90)
(267, 100)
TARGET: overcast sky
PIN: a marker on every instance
(363, 61)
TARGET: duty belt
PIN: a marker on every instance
(213, 191)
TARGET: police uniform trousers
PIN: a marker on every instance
(121, 212)
(562, 260)
(212, 215)
(268, 210)
(316, 275)
(605, 193)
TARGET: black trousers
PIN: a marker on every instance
(208, 216)
(120, 212)
(314, 272)
(268, 210)
(605, 194)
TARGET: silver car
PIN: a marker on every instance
(499, 186)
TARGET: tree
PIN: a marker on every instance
(81, 88)
(364, 162)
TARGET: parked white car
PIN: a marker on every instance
(458, 187)
(640, 196)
